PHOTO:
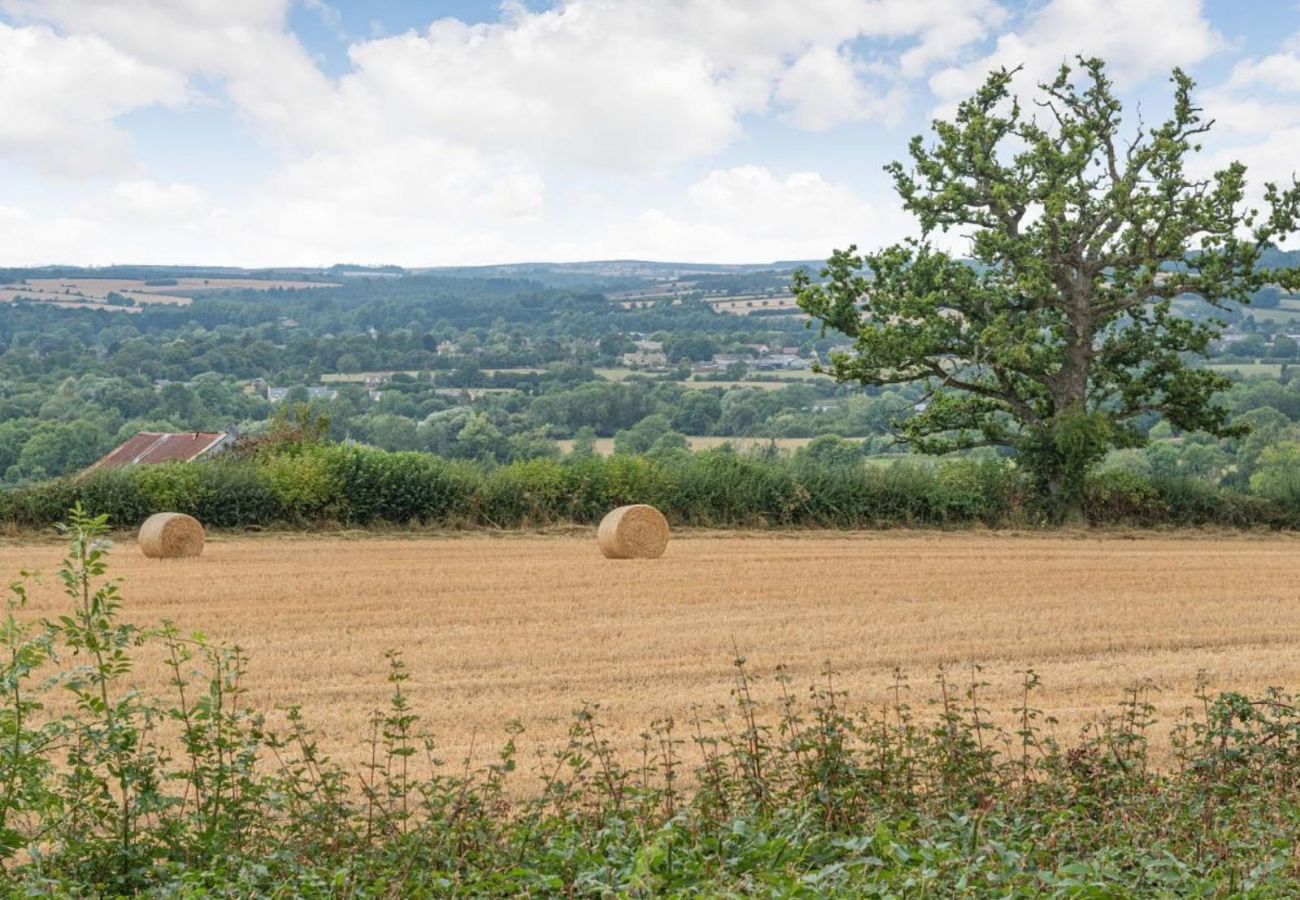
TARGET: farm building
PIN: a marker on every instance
(149, 447)
(279, 394)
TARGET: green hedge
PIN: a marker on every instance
(357, 486)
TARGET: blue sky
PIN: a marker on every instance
(308, 132)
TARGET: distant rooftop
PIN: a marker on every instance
(149, 447)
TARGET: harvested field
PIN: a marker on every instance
(526, 628)
(60, 301)
(101, 286)
(92, 293)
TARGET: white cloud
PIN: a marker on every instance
(1256, 113)
(27, 236)
(148, 201)
(568, 86)
(614, 83)
(824, 88)
(1261, 95)
(475, 142)
(240, 44)
(747, 213)
(471, 208)
(61, 95)
(411, 201)
(632, 86)
(1137, 40)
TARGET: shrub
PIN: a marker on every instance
(715, 488)
(307, 486)
(401, 488)
(121, 495)
(1121, 497)
(237, 495)
(979, 490)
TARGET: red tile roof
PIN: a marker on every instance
(151, 447)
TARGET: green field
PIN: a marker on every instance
(1247, 368)
(728, 385)
(790, 375)
(605, 446)
(1285, 316)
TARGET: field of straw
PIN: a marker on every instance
(526, 628)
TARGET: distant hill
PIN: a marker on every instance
(621, 268)
(604, 269)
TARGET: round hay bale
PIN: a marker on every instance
(171, 536)
(633, 532)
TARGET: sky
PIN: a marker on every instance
(312, 132)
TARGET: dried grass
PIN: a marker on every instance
(633, 532)
(171, 536)
(526, 628)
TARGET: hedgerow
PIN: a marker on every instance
(357, 486)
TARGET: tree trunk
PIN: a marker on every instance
(1066, 494)
(1060, 458)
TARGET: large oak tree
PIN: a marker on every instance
(1058, 334)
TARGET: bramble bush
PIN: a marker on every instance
(355, 486)
(774, 793)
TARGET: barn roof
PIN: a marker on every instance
(149, 447)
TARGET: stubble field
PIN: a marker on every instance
(502, 628)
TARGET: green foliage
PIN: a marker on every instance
(1060, 335)
(777, 793)
(833, 450)
(827, 485)
(396, 487)
(644, 435)
(1278, 475)
(304, 485)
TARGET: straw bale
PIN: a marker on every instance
(633, 532)
(171, 536)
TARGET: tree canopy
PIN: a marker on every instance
(1059, 334)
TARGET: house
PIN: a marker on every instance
(645, 359)
(447, 348)
(149, 447)
(277, 394)
(780, 361)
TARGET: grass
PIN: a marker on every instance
(1248, 368)
(772, 381)
(91, 293)
(729, 385)
(1283, 316)
(605, 446)
(526, 628)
